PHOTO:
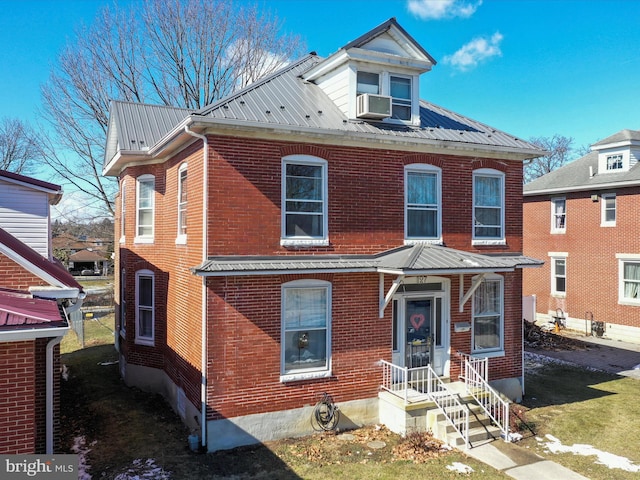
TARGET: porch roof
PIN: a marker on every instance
(417, 259)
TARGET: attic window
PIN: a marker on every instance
(368, 83)
(614, 162)
(400, 90)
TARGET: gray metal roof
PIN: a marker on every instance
(136, 127)
(576, 176)
(285, 99)
(409, 260)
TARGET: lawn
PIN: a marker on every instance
(581, 406)
(118, 426)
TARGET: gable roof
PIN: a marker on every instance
(53, 191)
(51, 272)
(582, 174)
(286, 104)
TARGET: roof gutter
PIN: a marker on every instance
(203, 307)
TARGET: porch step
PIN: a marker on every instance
(481, 428)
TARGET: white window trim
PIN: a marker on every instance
(304, 241)
(553, 256)
(305, 374)
(181, 238)
(123, 210)
(555, 229)
(145, 238)
(123, 304)
(603, 210)
(501, 240)
(622, 259)
(423, 168)
(150, 341)
(498, 351)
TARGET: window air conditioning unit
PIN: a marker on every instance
(373, 106)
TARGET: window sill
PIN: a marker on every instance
(607, 225)
(629, 303)
(558, 232)
(181, 240)
(304, 242)
(419, 241)
(122, 239)
(298, 377)
(139, 240)
(496, 241)
(145, 341)
(559, 295)
(493, 354)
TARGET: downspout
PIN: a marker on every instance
(49, 379)
(203, 307)
(49, 394)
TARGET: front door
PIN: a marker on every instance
(420, 336)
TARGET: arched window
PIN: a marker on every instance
(306, 329)
(488, 206)
(182, 204)
(423, 202)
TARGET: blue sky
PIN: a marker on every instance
(530, 68)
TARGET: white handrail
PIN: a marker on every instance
(454, 411)
(491, 402)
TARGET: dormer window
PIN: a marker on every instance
(368, 83)
(400, 91)
(614, 162)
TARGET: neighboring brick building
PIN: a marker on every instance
(36, 293)
(582, 219)
(328, 226)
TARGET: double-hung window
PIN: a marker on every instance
(145, 313)
(123, 304)
(182, 204)
(306, 329)
(608, 210)
(368, 82)
(400, 91)
(304, 200)
(488, 324)
(422, 202)
(559, 274)
(558, 215)
(145, 208)
(488, 206)
(629, 283)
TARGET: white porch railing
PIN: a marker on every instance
(491, 402)
(410, 384)
(415, 384)
(480, 365)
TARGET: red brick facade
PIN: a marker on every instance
(366, 216)
(590, 248)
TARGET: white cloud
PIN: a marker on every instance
(474, 52)
(437, 9)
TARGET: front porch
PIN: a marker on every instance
(462, 413)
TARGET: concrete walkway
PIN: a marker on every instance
(519, 463)
(608, 355)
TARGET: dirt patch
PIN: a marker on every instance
(545, 338)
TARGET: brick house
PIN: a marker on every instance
(583, 218)
(327, 237)
(36, 294)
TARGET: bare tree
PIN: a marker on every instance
(183, 53)
(559, 151)
(18, 146)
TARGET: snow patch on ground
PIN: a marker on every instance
(459, 468)
(604, 458)
(141, 469)
(535, 361)
(80, 447)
